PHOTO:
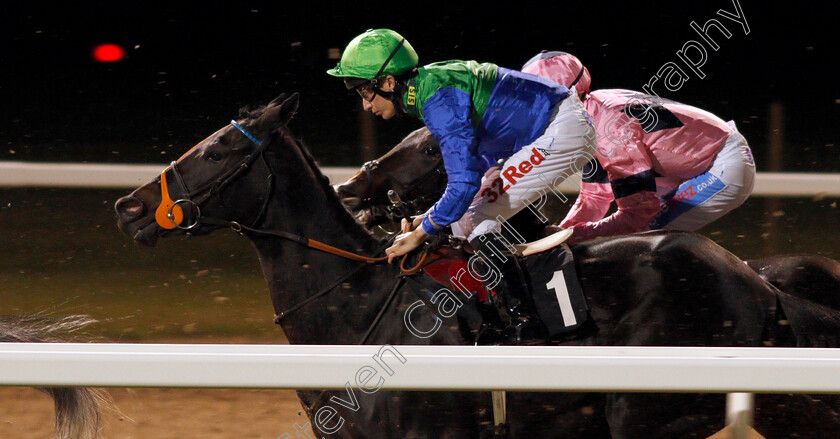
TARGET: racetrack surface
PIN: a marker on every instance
(164, 414)
(64, 256)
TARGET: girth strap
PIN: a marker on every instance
(281, 315)
(391, 295)
(397, 285)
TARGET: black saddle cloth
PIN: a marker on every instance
(556, 290)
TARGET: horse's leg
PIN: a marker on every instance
(557, 415)
(673, 289)
(811, 277)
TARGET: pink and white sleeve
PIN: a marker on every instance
(633, 215)
(592, 204)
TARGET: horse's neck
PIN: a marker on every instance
(301, 205)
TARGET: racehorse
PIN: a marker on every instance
(419, 182)
(652, 289)
(414, 171)
(77, 409)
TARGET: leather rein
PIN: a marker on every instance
(391, 212)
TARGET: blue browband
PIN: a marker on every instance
(245, 132)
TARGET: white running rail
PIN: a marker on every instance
(471, 368)
(514, 368)
(90, 175)
(100, 175)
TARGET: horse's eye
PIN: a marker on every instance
(215, 156)
(429, 151)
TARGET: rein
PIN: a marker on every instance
(302, 240)
(402, 190)
(317, 245)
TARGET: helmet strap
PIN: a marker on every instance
(580, 75)
(395, 96)
(390, 57)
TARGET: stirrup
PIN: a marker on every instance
(489, 335)
(525, 333)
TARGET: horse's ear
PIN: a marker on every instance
(278, 114)
(289, 106)
(277, 100)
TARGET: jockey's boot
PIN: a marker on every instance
(525, 326)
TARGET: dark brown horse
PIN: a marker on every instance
(417, 185)
(416, 164)
(654, 289)
(416, 157)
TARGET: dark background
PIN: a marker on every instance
(196, 63)
(192, 65)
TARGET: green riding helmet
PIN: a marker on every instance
(373, 54)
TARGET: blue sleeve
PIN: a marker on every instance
(447, 115)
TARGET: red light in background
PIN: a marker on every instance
(108, 53)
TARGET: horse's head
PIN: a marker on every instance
(223, 178)
(413, 170)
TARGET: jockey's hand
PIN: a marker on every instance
(415, 223)
(405, 243)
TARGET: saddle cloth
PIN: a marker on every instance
(555, 287)
(556, 290)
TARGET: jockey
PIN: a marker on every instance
(480, 113)
(667, 165)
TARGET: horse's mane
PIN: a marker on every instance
(324, 181)
(250, 112)
(346, 220)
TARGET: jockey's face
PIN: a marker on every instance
(379, 105)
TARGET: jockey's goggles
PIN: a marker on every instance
(367, 91)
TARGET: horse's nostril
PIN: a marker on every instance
(352, 202)
(129, 208)
(342, 191)
(345, 192)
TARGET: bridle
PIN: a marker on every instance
(170, 215)
(413, 205)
